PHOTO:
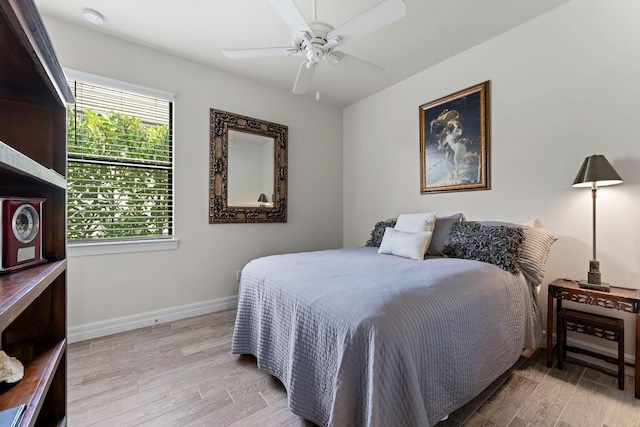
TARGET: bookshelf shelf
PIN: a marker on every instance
(38, 375)
(21, 288)
(14, 161)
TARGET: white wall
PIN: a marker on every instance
(563, 86)
(204, 266)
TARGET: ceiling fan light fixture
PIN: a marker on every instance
(93, 16)
(315, 54)
(316, 41)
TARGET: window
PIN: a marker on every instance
(120, 163)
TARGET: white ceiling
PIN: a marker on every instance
(432, 31)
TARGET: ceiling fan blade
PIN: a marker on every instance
(290, 13)
(375, 18)
(304, 79)
(259, 53)
(351, 63)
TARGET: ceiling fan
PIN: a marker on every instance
(317, 41)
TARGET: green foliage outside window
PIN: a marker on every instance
(119, 177)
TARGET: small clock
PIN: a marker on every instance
(25, 223)
(20, 233)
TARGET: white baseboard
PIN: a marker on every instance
(628, 358)
(127, 323)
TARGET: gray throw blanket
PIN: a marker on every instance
(362, 339)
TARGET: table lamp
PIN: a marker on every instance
(262, 199)
(595, 171)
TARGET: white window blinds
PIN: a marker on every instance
(120, 165)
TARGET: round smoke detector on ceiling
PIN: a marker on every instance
(92, 16)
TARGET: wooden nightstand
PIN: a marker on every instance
(623, 299)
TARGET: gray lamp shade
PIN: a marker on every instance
(596, 169)
(262, 198)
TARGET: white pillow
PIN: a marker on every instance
(533, 223)
(416, 223)
(407, 245)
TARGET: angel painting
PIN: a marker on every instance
(454, 142)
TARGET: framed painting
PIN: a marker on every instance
(454, 142)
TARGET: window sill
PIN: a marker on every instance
(106, 248)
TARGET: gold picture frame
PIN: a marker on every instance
(455, 142)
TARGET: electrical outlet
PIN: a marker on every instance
(238, 273)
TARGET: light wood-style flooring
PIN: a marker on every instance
(183, 374)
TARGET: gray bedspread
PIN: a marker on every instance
(362, 339)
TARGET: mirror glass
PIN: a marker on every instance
(250, 178)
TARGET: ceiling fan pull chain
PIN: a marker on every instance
(317, 81)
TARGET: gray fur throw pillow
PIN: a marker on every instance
(499, 245)
(378, 231)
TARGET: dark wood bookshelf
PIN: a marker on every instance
(33, 149)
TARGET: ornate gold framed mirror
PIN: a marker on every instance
(247, 169)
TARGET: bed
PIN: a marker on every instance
(364, 339)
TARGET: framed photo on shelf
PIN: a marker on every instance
(454, 142)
